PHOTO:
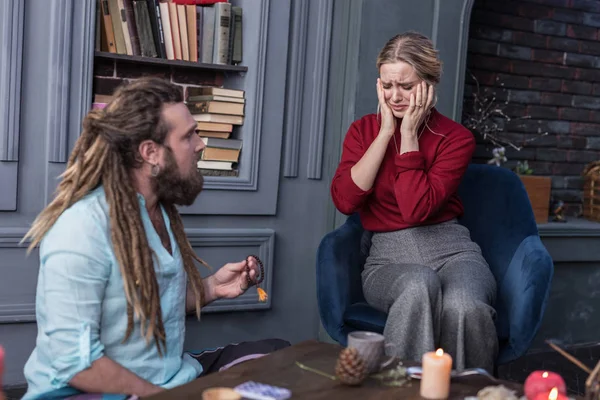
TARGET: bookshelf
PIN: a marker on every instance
(196, 44)
(260, 132)
(165, 62)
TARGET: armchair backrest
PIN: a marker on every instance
(497, 212)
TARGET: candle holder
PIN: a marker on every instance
(592, 384)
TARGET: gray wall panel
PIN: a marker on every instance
(12, 15)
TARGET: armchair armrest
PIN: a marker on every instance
(522, 296)
(339, 264)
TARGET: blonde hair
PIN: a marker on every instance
(416, 50)
(104, 154)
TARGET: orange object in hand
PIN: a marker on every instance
(262, 295)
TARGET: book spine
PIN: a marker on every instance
(237, 35)
(142, 21)
(115, 15)
(175, 30)
(157, 28)
(199, 24)
(183, 34)
(107, 27)
(208, 32)
(222, 22)
(166, 29)
(192, 24)
(133, 33)
(125, 27)
(230, 40)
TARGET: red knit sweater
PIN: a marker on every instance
(415, 188)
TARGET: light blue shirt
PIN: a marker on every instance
(81, 308)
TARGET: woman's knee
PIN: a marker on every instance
(421, 282)
(467, 309)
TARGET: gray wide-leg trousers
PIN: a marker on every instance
(438, 292)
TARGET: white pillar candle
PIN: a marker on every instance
(435, 379)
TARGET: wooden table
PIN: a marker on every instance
(280, 369)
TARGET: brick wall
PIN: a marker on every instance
(541, 58)
(108, 74)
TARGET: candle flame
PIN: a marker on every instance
(553, 394)
(439, 352)
(545, 375)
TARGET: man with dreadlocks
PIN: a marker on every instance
(117, 273)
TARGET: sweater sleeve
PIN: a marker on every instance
(347, 196)
(420, 194)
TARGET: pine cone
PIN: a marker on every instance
(350, 368)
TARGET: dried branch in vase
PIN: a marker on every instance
(484, 114)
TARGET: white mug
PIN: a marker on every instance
(371, 348)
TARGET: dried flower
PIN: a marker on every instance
(487, 117)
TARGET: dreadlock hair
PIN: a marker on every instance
(104, 154)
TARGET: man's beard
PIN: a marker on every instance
(171, 188)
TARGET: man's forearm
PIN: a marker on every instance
(190, 297)
(107, 376)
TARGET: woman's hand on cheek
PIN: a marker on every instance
(388, 121)
(420, 103)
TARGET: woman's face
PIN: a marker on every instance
(399, 80)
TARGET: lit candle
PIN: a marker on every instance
(435, 379)
(551, 395)
(543, 382)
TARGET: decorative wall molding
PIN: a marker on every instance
(577, 229)
(12, 15)
(343, 84)
(85, 51)
(18, 312)
(572, 243)
(319, 95)
(463, 42)
(263, 239)
(61, 25)
(248, 180)
(436, 22)
(11, 237)
(9, 176)
(295, 89)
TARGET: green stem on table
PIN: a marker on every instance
(316, 371)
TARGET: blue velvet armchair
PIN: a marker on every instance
(499, 216)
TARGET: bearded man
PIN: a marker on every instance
(117, 273)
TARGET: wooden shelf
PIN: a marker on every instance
(174, 63)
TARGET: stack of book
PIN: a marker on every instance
(216, 111)
(206, 31)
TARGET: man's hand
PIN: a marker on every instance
(231, 280)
